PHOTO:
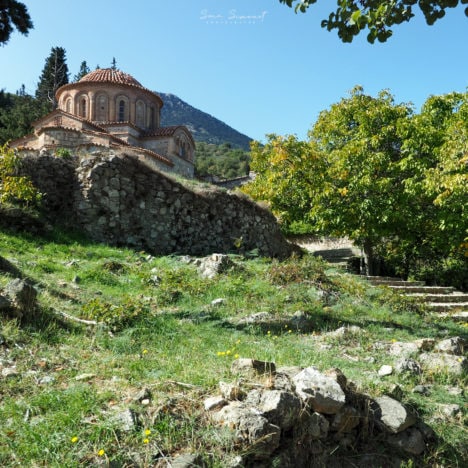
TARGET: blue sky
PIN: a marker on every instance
(256, 65)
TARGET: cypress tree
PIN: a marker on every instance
(54, 75)
(84, 70)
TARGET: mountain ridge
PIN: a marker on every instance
(204, 126)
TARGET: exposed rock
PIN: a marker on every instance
(449, 410)
(84, 377)
(345, 332)
(444, 363)
(338, 377)
(385, 370)
(346, 419)
(5, 305)
(410, 440)
(143, 394)
(425, 344)
(393, 414)
(251, 428)
(10, 372)
(256, 318)
(214, 264)
(126, 420)
(453, 345)
(217, 302)
(246, 366)
(231, 391)
(280, 408)
(422, 389)
(394, 391)
(319, 391)
(407, 365)
(402, 349)
(214, 403)
(187, 460)
(23, 298)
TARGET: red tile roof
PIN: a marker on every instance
(109, 75)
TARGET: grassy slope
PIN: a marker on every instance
(168, 338)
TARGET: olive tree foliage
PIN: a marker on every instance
(14, 188)
(393, 181)
(13, 14)
(351, 17)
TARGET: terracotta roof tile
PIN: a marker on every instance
(109, 75)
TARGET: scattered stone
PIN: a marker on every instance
(280, 408)
(126, 420)
(454, 391)
(411, 441)
(187, 460)
(245, 366)
(231, 391)
(345, 332)
(407, 365)
(402, 349)
(259, 317)
(251, 428)
(214, 403)
(213, 265)
(449, 410)
(47, 379)
(393, 414)
(319, 391)
(23, 297)
(395, 391)
(346, 419)
(143, 394)
(218, 302)
(385, 370)
(85, 377)
(425, 344)
(453, 345)
(422, 389)
(444, 363)
(9, 372)
(301, 321)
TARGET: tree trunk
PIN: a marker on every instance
(369, 260)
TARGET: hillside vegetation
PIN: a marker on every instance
(130, 390)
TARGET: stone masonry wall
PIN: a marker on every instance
(118, 199)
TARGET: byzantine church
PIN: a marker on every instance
(109, 108)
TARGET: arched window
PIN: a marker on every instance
(121, 110)
(140, 114)
(68, 104)
(83, 107)
(102, 108)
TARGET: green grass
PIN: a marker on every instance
(164, 335)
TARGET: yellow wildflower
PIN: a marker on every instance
(74, 440)
(236, 356)
(101, 452)
(146, 441)
(147, 432)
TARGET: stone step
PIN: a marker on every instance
(423, 289)
(447, 306)
(457, 316)
(441, 298)
(397, 282)
(382, 278)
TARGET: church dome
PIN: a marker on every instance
(109, 75)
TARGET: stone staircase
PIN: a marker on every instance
(446, 301)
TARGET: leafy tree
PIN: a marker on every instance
(221, 161)
(17, 112)
(54, 75)
(13, 187)
(84, 70)
(353, 16)
(13, 14)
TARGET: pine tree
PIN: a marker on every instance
(84, 70)
(54, 75)
(13, 14)
(114, 64)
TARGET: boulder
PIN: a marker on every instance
(251, 428)
(320, 392)
(394, 416)
(407, 365)
(214, 264)
(444, 363)
(411, 441)
(346, 419)
(280, 408)
(22, 295)
(249, 367)
(453, 345)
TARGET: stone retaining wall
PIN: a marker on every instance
(118, 199)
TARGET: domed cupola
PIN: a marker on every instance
(108, 96)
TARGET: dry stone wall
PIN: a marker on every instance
(118, 199)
